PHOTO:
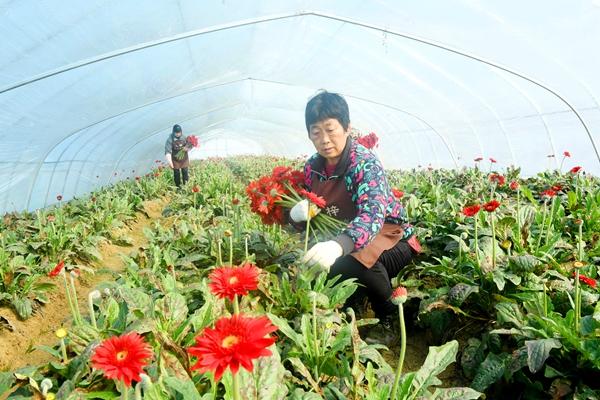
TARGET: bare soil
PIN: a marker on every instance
(17, 342)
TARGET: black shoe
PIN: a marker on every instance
(386, 332)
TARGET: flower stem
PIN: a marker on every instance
(493, 242)
(537, 246)
(138, 391)
(477, 245)
(550, 220)
(219, 255)
(580, 242)
(402, 351)
(75, 301)
(91, 311)
(236, 305)
(68, 294)
(315, 340)
(518, 217)
(124, 391)
(63, 349)
(230, 250)
(577, 301)
(236, 387)
(306, 234)
(246, 247)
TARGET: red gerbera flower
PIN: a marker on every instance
(313, 198)
(492, 160)
(231, 281)
(514, 185)
(470, 211)
(587, 280)
(491, 205)
(478, 159)
(235, 201)
(195, 189)
(56, 269)
(575, 170)
(397, 193)
(566, 154)
(499, 179)
(122, 357)
(192, 140)
(399, 295)
(548, 193)
(233, 342)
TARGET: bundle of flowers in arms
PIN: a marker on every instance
(191, 142)
(272, 194)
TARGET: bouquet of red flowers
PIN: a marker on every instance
(369, 141)
(270, 194)
(190, 143)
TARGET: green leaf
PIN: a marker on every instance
(22, 307)
(509, 313)
(538, 352)
(285, 328)
(524, 263)
(459, 293)
(185, 388)
(267, 381)
(172, 310)
(456, 393)
(436, 362)
(492, 369)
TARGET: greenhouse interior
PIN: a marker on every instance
(299, 199)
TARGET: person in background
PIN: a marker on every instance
(378, 241)
(176, 153)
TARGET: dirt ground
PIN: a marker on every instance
(16, 346)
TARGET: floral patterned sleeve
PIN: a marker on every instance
(371, 197)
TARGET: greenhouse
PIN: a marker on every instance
(299, 199)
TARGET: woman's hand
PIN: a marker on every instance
(299, 213)
(324, 254)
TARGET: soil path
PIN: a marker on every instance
(16, 346)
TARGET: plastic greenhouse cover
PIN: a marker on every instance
(90, 90)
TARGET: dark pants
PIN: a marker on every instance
(375, 281)
(184, 174)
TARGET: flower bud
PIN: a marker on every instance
(399, 295)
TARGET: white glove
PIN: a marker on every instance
(299, 213)
(323, 253)
(169, 160)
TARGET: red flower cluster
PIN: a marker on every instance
(227, 282)
(499, 179)
(266, 192)
(471, 211)
(233, 342)
(575, 170)
(587, 280)
(56, 270)
(369, 141)
(491, 205)
(192, 141)
(122, 357)
(397, 193)
(556, 188)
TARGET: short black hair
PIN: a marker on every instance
(176, 128)
(327, 105)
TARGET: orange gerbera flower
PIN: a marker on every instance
(122, 357)
(233, 342)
